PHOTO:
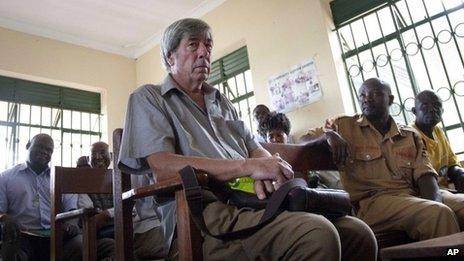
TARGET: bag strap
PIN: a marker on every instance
(193, 194)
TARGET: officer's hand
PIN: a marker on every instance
(338, 146)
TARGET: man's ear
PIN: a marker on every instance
(413, 110)
(391, 98)
(170, 59)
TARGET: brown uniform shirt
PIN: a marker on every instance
(380, 165)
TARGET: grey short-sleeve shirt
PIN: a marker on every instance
(162, 118)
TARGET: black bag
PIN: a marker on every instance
(294, 195)
(331, 203)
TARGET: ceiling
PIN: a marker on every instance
(124, 27)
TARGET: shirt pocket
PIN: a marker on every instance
(368, 163)
(404, 157)
(237, 127)
(404, 170)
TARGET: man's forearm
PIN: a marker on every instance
(308, 139)
(428, 188)
(166, 165)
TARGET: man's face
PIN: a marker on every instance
(190, 62)
(428, 109)
(276, 136)
(100, 156)
(40, 151)
(374, 100)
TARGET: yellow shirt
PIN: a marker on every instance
(389, 164)
(440, 153)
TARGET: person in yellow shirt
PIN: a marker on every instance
(428, 110)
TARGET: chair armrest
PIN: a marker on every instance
(86, 212)
(162, 187)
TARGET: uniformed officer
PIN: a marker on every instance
(386, 171)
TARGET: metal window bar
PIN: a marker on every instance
(13, 126)
(236, 98)
(444, 85)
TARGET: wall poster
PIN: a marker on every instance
(296, 88)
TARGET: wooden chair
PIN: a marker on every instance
(76, 181)
(189, 240)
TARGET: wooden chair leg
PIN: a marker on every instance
(56, 241)
(189, 240)
(89, 246)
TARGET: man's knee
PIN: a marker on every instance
(440, 211)
(319, 233)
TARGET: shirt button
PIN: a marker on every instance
(368, 156)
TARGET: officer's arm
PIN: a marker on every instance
(456, 175)
(428, 187)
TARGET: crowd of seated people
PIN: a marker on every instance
(392, 172)
(25, 209)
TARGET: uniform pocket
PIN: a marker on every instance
(405, 170)
(368, 163)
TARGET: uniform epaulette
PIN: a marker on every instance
(341, 116)
(403, 127)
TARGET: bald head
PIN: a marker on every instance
(426, 96)
(428, 109)
(375, 98)
(260, 112)
(378, 84)
(101, 157)
(40, 150)
(83, 162)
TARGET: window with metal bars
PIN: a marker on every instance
(70, 116)
(231, 75)
(414, 45)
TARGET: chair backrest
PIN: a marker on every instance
(74, 181)
(123, 227)
(303, 157)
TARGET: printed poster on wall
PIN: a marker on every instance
(296, 88)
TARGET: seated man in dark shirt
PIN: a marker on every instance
(100, 158)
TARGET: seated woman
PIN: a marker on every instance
(275, 127)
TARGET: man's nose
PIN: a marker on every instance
(203, 50)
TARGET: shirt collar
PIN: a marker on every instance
(24, 167)
(170, 85)
(423, 136)
(393, 131)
